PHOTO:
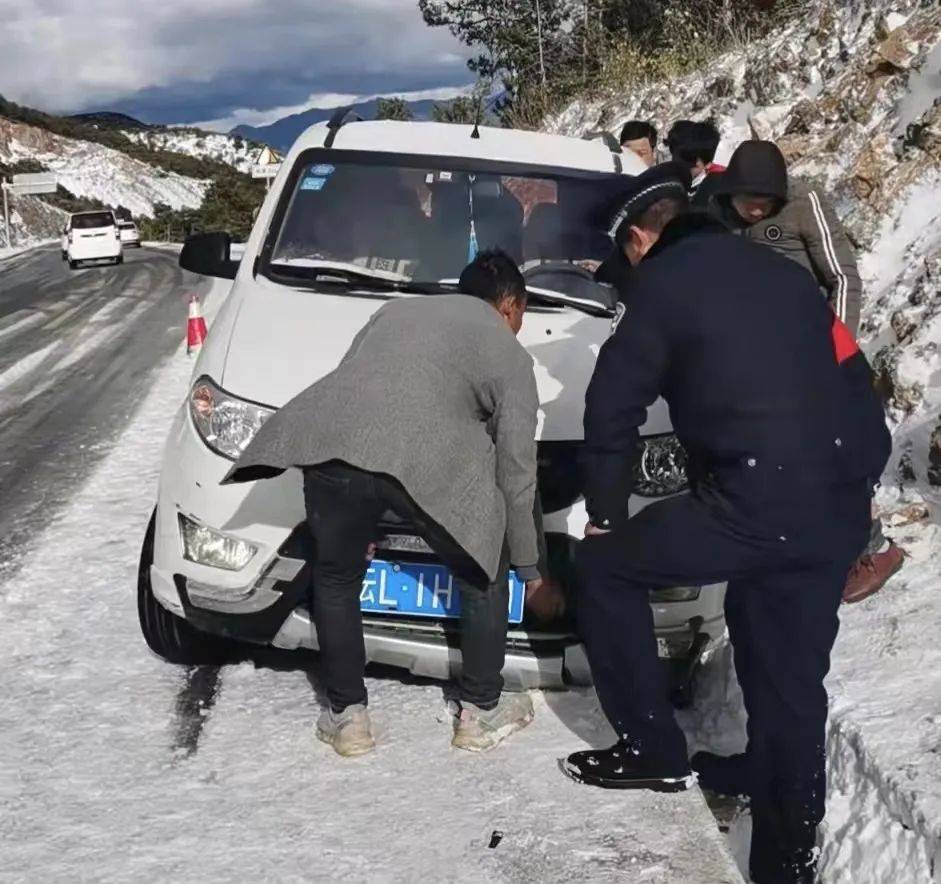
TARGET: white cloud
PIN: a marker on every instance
(220, 55)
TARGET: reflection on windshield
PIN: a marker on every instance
(408, 223)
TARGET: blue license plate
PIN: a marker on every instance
(418, 589)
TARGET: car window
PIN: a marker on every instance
(422, 221)
(92, 219)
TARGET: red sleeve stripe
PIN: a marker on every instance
(844, 344)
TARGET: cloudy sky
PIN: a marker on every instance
(219, 61)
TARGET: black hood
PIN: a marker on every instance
(756, 167)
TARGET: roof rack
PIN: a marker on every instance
(340, 118)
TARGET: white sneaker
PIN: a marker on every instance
(478, 730)
(349, 731)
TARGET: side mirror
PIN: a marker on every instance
(208, 254)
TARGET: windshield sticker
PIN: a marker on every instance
(311, 182)
(323, 169)
(444, 176)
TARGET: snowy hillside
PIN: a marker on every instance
(93, 170)
(853, 97)
(232, 150)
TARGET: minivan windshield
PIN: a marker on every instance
(92, 219)
(353, 217)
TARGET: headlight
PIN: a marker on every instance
(205, 546)
(226, 424)
(661, 470)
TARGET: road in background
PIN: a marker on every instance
(77, 353)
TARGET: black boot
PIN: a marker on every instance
(724, 775)
(626, 766)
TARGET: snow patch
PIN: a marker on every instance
(24, 366)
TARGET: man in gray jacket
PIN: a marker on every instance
(430, 414)
(755, 197)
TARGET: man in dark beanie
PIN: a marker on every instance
(756, 198)
(447, 443)
(783, 448)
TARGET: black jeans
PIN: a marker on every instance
(344, 506)
(783, 595)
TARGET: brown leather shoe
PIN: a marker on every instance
(870, 573)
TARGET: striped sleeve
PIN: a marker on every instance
(834, 260)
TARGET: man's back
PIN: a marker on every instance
(431, 392)
(738, 341)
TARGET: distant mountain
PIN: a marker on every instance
(282, 133)
(110, 120)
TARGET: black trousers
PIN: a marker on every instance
(786, 573)
(344, 506)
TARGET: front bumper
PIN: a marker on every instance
(267, 602)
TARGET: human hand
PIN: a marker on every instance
(371, 551)
(594, 531)
(545, 599)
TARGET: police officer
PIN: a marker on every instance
(784, 444)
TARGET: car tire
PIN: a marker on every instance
(167, 635)
(73, 265)
(119, 259)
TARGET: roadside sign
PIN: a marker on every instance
(265, 171)
(267, 164)
(34, 182)
(21, 185)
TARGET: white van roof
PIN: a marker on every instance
(454, 140)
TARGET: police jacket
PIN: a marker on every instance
(804, 227)
(738, 341)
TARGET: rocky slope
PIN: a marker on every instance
(852, 94)
(88, 169)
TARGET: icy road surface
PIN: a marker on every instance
(78, 350)
(117, 766)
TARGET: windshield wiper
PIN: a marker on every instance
(352, 276)
(596, 308)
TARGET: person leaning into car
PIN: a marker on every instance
(431, 414)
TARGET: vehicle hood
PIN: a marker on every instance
(284, 339)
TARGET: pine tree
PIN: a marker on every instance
(393, 109)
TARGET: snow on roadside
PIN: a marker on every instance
(93, 170)
(115, 767)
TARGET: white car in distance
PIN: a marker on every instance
(130, 235)
(93, 237)
(360, 213)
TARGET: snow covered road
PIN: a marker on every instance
(117, 766)
(77, 354)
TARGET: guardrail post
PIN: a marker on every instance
(6, 213)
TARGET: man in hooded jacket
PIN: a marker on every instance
(755, 197)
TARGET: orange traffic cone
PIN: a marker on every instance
(195, 326)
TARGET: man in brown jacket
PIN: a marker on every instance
(755, 197)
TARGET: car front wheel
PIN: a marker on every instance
(73, 265)
(167, 635)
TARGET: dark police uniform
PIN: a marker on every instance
(784, 444)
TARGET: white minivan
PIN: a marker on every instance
(360, 213)
(130, 235)
(93, 236)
